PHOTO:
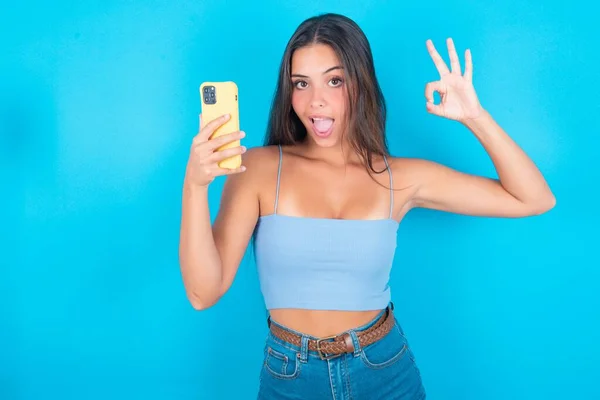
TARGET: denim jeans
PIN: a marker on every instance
(385, 369)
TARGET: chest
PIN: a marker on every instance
(337, 193)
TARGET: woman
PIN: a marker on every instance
(323, 200)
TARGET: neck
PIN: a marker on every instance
(340, 154)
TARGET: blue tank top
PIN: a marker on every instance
(322, 263)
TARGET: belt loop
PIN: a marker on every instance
(304, 348)
(355, 342)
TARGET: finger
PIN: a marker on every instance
(454, 62)
(227, 171)
(205, 149)
(468, 65)
(437, 59)
(433, 87)
(211, 127)
(235, 170)
(218, 156)
(215, 143)
(436, 109)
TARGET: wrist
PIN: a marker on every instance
(194, 188)
(477, 122)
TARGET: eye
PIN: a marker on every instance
(336, 81)
(300, 84)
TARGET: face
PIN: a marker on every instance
(319, 93)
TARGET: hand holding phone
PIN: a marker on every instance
(205, 157)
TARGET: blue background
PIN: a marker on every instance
(98, 107)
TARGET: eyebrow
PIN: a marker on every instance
(327, 71)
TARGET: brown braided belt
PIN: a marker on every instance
(333, 346)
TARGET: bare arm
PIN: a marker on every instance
(521, 189)
(199, 258)
(209, 256)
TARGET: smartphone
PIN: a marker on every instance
(217, 99)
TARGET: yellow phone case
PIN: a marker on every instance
(217, 99)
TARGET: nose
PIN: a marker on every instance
(317, 100)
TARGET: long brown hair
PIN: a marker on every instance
(366, 110)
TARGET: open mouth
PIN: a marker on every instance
(322, 126)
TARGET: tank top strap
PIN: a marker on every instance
(391, 186)
(278, 179)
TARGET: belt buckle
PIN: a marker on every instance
(322, 355)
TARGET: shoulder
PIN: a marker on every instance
(261, 164)
(424, 177)
(413, 174)
(259, 159)
(412, 171)
(265, 159)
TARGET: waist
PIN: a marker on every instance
(333, 345)
(319, 294)
(320, 323)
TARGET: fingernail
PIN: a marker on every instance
(243, 149)
(242, 134)
(227, 116)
